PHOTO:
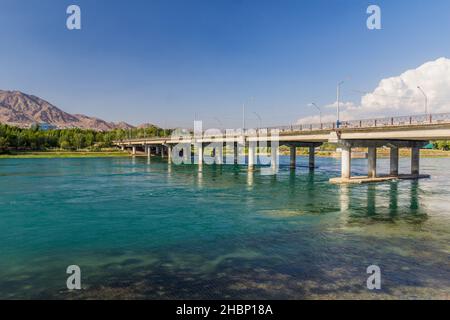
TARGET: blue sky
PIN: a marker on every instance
(163, 61)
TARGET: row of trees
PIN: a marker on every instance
(13, 138)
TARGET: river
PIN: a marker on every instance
(156, 231)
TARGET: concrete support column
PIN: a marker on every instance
(372, 156)
(415, 161)
(312, 151)
(293, 162)
(251, 156)
(148, 150)
(122, 148)
(186, 155)
(274, 157)
(346, 162)
(219, 155)
(169, 153)
(235, 152)
(133, 152)
(394, 161)
(157, 150)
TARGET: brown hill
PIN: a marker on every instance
(23, 110)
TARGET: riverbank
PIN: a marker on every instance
(63, 154)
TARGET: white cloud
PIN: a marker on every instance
(399, 95)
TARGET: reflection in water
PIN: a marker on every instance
(362, 203)
(250, 179)
(371, 199)
(133, 164)
(310, 189)
(393, 198)
(344, 197)
(200, 178)
(414, 196)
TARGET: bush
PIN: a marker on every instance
(441, 145)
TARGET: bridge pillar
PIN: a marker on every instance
(133, 152)
(235, 152)
(274, 157)
(293, 162)
(219, 155)
(312, 151)
(415, 160)
(122, 148)
(346, 162)
(372, 157)
(169, 153)
(148, 151)
(186, 155)
(251, 155)
(394, 161)
(200, 153)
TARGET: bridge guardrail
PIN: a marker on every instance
(370, 123)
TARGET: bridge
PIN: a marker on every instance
(412, 132)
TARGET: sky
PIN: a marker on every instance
(169, 62)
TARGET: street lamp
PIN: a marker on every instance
(219, 122)
(338, 103)
(260, 119)
(320, 111)
(243, 117)
(243, 112)
(426, 99)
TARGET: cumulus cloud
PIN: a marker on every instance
(399, 95)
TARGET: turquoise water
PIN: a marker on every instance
(140, 230)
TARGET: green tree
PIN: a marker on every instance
(4, 144)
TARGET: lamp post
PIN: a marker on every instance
(243, 117)
(219, 122)
(426, 99)
(338, 103)
(259, 118)
(320, 111)
(243, 113)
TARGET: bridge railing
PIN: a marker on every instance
(370, 123)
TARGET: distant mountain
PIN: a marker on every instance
(146, 126)
(23, 110)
